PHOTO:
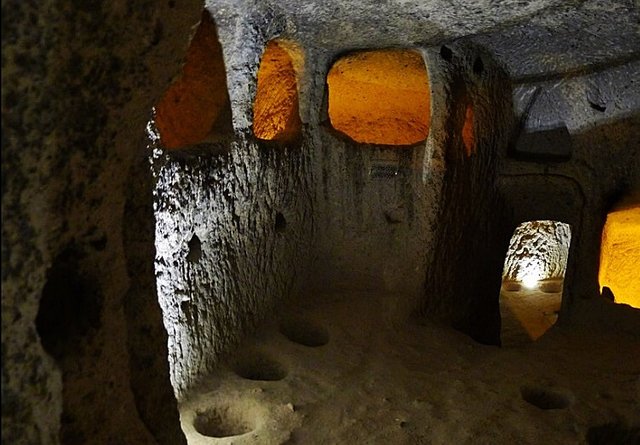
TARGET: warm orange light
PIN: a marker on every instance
(533, 312)
(620, 252)
(380, 97)
(192, 105)
(467, 132)
(275, 111)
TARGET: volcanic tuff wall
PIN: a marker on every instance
(79, 80)
(539, 245)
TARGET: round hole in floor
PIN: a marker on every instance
(305, 332)
(257, 366)
(544, 398)
(222, 422)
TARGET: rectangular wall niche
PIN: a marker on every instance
(620, 252)
(532, 280)
(276, 111)
(196, 106)
(380, 97)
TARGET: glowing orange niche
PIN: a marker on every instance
(276, 109)
(193, 105)
(468, 137)
(380, 97)
(620, 252)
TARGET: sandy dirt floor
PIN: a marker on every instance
(339, 373)
(528, 313)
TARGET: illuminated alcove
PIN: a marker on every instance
(532, 279)
(468, 135)
(196, 105)
(276, 110)
(380, 97)
(620, 252)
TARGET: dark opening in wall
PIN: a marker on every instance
(380, 97)
(532, 280)
(196, 107)
(195, 249)
(446, 53)
(478, 66)
(281, 223)
(276, 111)
(70, 306)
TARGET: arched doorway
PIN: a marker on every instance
(532, 280)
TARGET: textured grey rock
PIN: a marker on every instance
(78, 84)
(538, 251)
(246, 265)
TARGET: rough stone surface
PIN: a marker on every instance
(538, 250)
(228, 199)
(469, 226)
(78, 84)
(198, 100)
(620, 251)
(553, 144)
(78, 80)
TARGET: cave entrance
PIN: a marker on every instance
(533, 279)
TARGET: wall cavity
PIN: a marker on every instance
(620, 251)
(196, 105)
(380, 97)
(276, 110)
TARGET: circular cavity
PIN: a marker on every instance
(544, 398)
(551, 287)
(446, 53)
(222, 422)
(259, 367)
(305, 332)
(512, 286)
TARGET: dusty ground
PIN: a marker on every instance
(366, 380)
(527, 314)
